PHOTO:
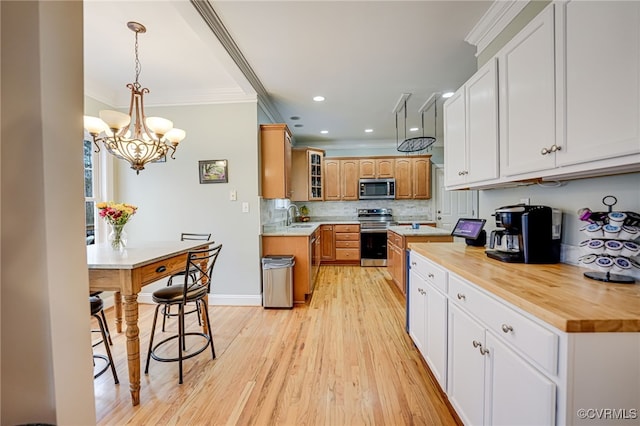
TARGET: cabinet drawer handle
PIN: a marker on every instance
(506, 328)
(160, 269)
(461, 296)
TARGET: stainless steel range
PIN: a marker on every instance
(373, 235)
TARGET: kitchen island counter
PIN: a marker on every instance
(407, 230)
(558, 294)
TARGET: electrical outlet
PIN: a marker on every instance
(245, 207)
(233, 195)
(525, 201)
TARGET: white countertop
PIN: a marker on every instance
(303, 229)
(406, 230)
(102, 256)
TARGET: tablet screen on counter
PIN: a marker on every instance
(468, 228)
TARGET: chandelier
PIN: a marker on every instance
(134, 137)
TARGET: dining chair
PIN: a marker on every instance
(185, 236)
(97, 312)
(104, 318)
(202, 261)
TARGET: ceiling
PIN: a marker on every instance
(360, 55)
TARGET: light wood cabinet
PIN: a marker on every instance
(328, 248)
(301, 247)
(395, 250)
(347, 241)
(275, 148)
(376, 168)
(341, 179)
(413, 178)
(307, 175)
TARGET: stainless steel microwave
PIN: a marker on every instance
(377, 189)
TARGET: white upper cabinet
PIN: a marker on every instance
(455, 138)
(471, 130)
(527, 98)
(482, 124)
(598, 78)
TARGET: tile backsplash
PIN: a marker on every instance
(274, 211)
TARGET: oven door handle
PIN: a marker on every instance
(373, 231)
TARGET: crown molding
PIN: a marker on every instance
(211, 18)
(496, 19)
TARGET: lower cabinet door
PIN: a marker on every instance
(466, 366)
(417, 306)
(436, 343)
(517, 393)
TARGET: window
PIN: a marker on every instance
(90, 186)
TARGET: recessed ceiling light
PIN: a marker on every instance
(413, 129)
(294, 117)
(318, 98)
(324, 132)
(368, 130)
(447, 94)
(298, 125)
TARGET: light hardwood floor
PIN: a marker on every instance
(342, 359)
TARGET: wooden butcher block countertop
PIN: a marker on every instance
(558, 294)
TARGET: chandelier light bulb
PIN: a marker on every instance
(175, 136)
(94, 125)
(158, 125)
(115, 119)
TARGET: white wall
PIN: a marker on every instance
(46, 370)
(171, 200)
(569, 197)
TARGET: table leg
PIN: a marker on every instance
(117, 304)
(133, 345)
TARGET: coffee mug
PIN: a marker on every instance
(415, 226)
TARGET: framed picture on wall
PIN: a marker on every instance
(213, 171)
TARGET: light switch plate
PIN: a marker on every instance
(233, 195)
(245, 207)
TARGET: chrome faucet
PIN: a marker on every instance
(296, 212)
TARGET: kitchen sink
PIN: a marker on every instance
(300, 226)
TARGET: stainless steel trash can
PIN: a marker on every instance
(277, 281)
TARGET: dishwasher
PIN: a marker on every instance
(277, 281)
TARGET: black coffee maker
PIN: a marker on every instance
(526, 234)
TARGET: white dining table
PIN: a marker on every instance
(125, 273)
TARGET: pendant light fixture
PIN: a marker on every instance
(419, 143)
(134, 137)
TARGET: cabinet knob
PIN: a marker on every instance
(555, 148)
(439, 218)
(478, 345)
(544, 151)
(413, 263)
(506, 328)
(430, 275)
(461, 173)
(461, 296)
